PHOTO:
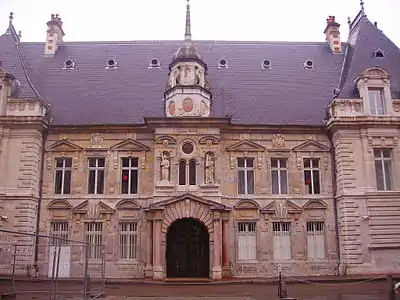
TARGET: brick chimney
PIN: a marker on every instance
(54, 36)
(333, 35)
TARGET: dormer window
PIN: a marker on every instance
(154, 63)
(378, 53)
(111, 63)
(376, 102)
(222, 63)
(69, 64)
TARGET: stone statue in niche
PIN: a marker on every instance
(209, 168)
(165, 166)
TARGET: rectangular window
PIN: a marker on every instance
(247, 241)
(130, 175)
(315, 240)
(376, 103)
(245, 175)
(96, 175)
(59, 229)
(94, 236)
(62, 184)
(279, 176)
(128, 240)
(282, 241)
(383, 169)
(312, 176)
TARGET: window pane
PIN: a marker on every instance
(124, 181)
(182, 172)
(58, 182)
(307, 180)
(250, 182)
(92, 162)
(91, 182)
(134, 162)
(386, 153)
(275, 182)
(306, 163)
(388, 174)
(67, 182)
(59, 162)
(274, 163)
(284, 185)
(68, 162)
(134, 181)
(316, 182)
(249, 162)
(192, 172)
(379, 175)
(125, 162)
(282, 163)
(100, 181)
(241, 183)
(315, 163)
(101, 162)
(377, 153)
(240, 162)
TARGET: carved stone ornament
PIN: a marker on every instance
(96, 140)
(357, 107)
(396, 105)
(165, 166)
(278, 142)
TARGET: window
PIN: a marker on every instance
(128, 240)
(315, 240)
(282, 241)
(130, 175)
(245, 176)
(279, 176)
(94, 236)
(376, 105)
(58, 229)
(96, 175)
(63, 176)
(187, 172)
(311, 175)
(383, 169)
(247, 241)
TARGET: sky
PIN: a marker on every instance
(249, 20)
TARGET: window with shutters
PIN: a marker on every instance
(59, 233)
(247, 241)
(282, 241)
(245, 176)
(62, 184)
(315, 240)
(96, 175)
(129, 175)
(128, 240)
(94, 236)
(279, 176)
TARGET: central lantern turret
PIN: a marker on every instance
(188, 90)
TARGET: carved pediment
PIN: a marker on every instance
(63, 146)
(130, 145)
(127, 205)
(92, 208)
(247, 204)
(212, 204)
(315, 204)
(105, 209)
(81, 208)
(59, 204)
(165, 140)
(246, 146)
(209, 139)
(311, 146)
(282, 208)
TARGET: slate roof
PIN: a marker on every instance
(285, 94)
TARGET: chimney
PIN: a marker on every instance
(333, 35)
(54, 36)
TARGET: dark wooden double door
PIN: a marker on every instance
(188, 249)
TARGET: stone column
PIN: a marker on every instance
(157, 268)
(217, 269)
(225, 247)
(149, 249)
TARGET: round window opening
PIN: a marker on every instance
(187, 148)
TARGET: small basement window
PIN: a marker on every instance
(154, 63)
(309, 64)
(266, 64)
(222, 63)
(111, 63)
(379, 53)
(69, 64)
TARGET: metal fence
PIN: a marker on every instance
(50, 267)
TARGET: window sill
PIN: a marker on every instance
(127, 262)
(247, 261)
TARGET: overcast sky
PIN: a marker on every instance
(260, 20)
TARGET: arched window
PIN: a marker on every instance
(187, 172)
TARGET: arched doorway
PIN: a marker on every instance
(188, 249)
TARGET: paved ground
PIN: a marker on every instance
(319, 291)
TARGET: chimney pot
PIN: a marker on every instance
(333, 35)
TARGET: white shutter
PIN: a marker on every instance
(282, 241)
(247, 241)
(315, 240)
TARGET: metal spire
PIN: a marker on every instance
(10, 22)
(188, 34)
(362, 5)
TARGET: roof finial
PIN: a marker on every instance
(349, 22)
(188, 34)
(362, 5)
(10, 23)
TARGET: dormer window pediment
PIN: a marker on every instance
(373, 85)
